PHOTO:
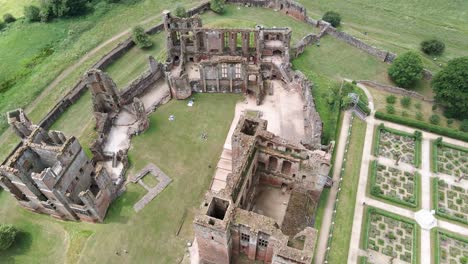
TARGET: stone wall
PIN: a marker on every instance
(394, 89)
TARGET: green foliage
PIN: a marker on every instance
(2, 25)
(31, 13)
(417, 105)
(346, 102)
(7, 236)
(404, 114)
(61, 8)
(419, 116)
(405, 101)
(333, 18)
(391, 99)
(180, 11)
(451, 88)
(449, 132)
(347, 88)
(141, 38)
(434, 119)
(432, 47)
(406, 70)
(217, 6)
(464, 125)
(9, 18)
(390, 109)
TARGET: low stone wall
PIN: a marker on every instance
(395, 90)
(141, 84)
(303, 43)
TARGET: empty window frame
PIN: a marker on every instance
(245, 237)
(224, 70)
(238, 71)
(262, 243)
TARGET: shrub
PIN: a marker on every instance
(180, 11)
(31, 13)
(217, 6)
(333, 18)
(434, 119)
(419, 116)
(449, 132)
(449, 121)
(417, 105)
(7, 236)
(405, 101)
(432, 47)
(2, 25)
(406, 69)
(141, 38)
(390, 109)
(450, 86)
(9, 18)
(346, 102)
(391, 99)
(61, 8)
(464, 125)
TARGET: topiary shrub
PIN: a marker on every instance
(419, 116)
(405, 101)
(432, 47)
(406, 69)
(450, 86)
(390, 109)
(464, 125)
(7, 236)
(31, 13)
(9, 18)
(434, 119)
(141, 38)
(180, 11)
(391, 99)
(217, 6)
(333, 18)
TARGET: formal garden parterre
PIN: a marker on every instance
(449, 159)
(398, 146)
(450, 248)
(391, 235)
(395, 185)
(450, 201)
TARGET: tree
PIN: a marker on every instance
(390, 109)
(432, 47)
(31, 13)
(9, 18)
(60, 8)
(406, 69)
(434, 119)
(450, 86)
(333, 18)
(7, 236)
(464, 125)
(180, 11)
(217, 6)
(141, 38)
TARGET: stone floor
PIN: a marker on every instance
(163, 182)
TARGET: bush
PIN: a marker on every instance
(449, 121)
(346, 102)
(217, 6)
(434, 119)
(390, 109)
(405, 101)
(450, 86)
(391, 99)
(449, 132)
(419, 116)
(180, 11)
(464, 125)
(2, 25)
(141, 38)
(61, 8)
(417, 105)
(333, 18)
(9, 18)
(7, 236)
(406, 69)
(432, 47)
(31, 13)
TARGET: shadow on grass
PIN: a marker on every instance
(21, 246)
(121, 209)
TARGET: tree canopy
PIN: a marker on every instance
(451, 88)
(406, 69)
(333, 18)
(7, 236)
(180, 11)
(141, 38)
(217, 6)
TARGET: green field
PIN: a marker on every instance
(401, 25)
(345, 208)
(45, 240)
(15, 7)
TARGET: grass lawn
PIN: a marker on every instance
(150, 180)
(345, 209)
(401, 25)
(123, 228)
(15, 7)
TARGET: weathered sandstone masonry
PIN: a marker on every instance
(239, 219)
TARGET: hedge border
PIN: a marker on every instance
(448, 132)
(416, 228)
(435, 203)
(434, 152)
(416, 136)
(437, 233)
(417, 187)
